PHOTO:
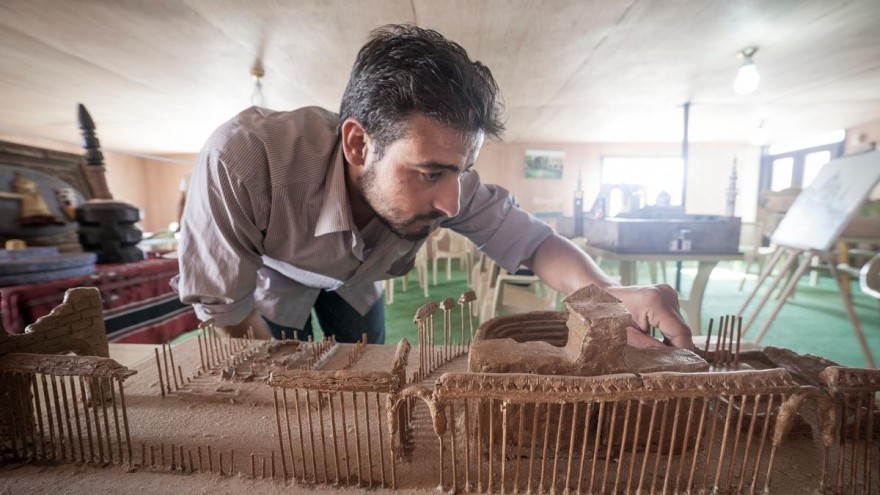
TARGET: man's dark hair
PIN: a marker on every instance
(403, 69)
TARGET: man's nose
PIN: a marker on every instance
(447, 198)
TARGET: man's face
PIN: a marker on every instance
(415, 184)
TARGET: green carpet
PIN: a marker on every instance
(813, 322)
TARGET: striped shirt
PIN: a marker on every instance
(268, 225)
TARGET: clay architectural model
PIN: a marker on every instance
(590, 340)
(420, 417)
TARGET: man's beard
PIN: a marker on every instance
(367, 182)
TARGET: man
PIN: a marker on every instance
(309, 209)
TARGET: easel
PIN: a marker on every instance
(791, 257)
(810, 230)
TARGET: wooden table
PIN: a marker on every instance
(692, 305)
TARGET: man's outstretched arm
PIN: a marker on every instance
(566, 268)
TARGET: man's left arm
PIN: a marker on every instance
(566, 268)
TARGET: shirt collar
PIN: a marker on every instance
(335, 214)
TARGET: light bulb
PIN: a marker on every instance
(747, 78)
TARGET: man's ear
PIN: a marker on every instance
(355, 142)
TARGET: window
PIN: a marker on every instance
(642, 178)
(797, 163)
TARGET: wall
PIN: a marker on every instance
(710, 165)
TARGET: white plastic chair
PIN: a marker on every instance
(421, 269)
(456, 247)
(513, 294)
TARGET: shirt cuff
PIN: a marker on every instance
(224, 314)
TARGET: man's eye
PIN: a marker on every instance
(432, 176)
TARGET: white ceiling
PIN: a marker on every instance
(159, 75)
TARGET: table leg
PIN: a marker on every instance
(692, 306)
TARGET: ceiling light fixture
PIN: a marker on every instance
(257, 72)
(747, 78)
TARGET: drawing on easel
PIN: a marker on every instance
(822, 210)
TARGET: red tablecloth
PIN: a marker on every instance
(139, 304)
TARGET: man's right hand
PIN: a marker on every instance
(254, 320)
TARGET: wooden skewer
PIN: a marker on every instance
(708, 338)
(672, 437)
(544, 447)
(58, 416)
(357, 435)
(333, 429)
(312, 436)
(116, 419)
(722, 327)
(48, 417)
(556, 448)
(612, 421)
(620, 455)
(173, 368)
(762, 443)
(289, 433)
(201, 353)
(79, 436)
(687, 435)
(647, 443)
(369, 440)
(323, 439)
(635, 442)
(344, 435)
(159, 372)
(302, 450)
(280, 436)
(534, 442)
(687, 488)
(661, 441)
(739, 330)
(467, 450)
(478, 451)
(521, 412)
(101, 398)
(379, 423)
(165, 363)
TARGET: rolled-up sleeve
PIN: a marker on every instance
(490, 219)
(221, 240)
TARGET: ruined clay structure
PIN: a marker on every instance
(589, 340)
(551, 402)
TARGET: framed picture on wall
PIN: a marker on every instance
(544, 164)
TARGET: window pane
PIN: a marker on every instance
(782, 170)
(652, 175)
(812, 164)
